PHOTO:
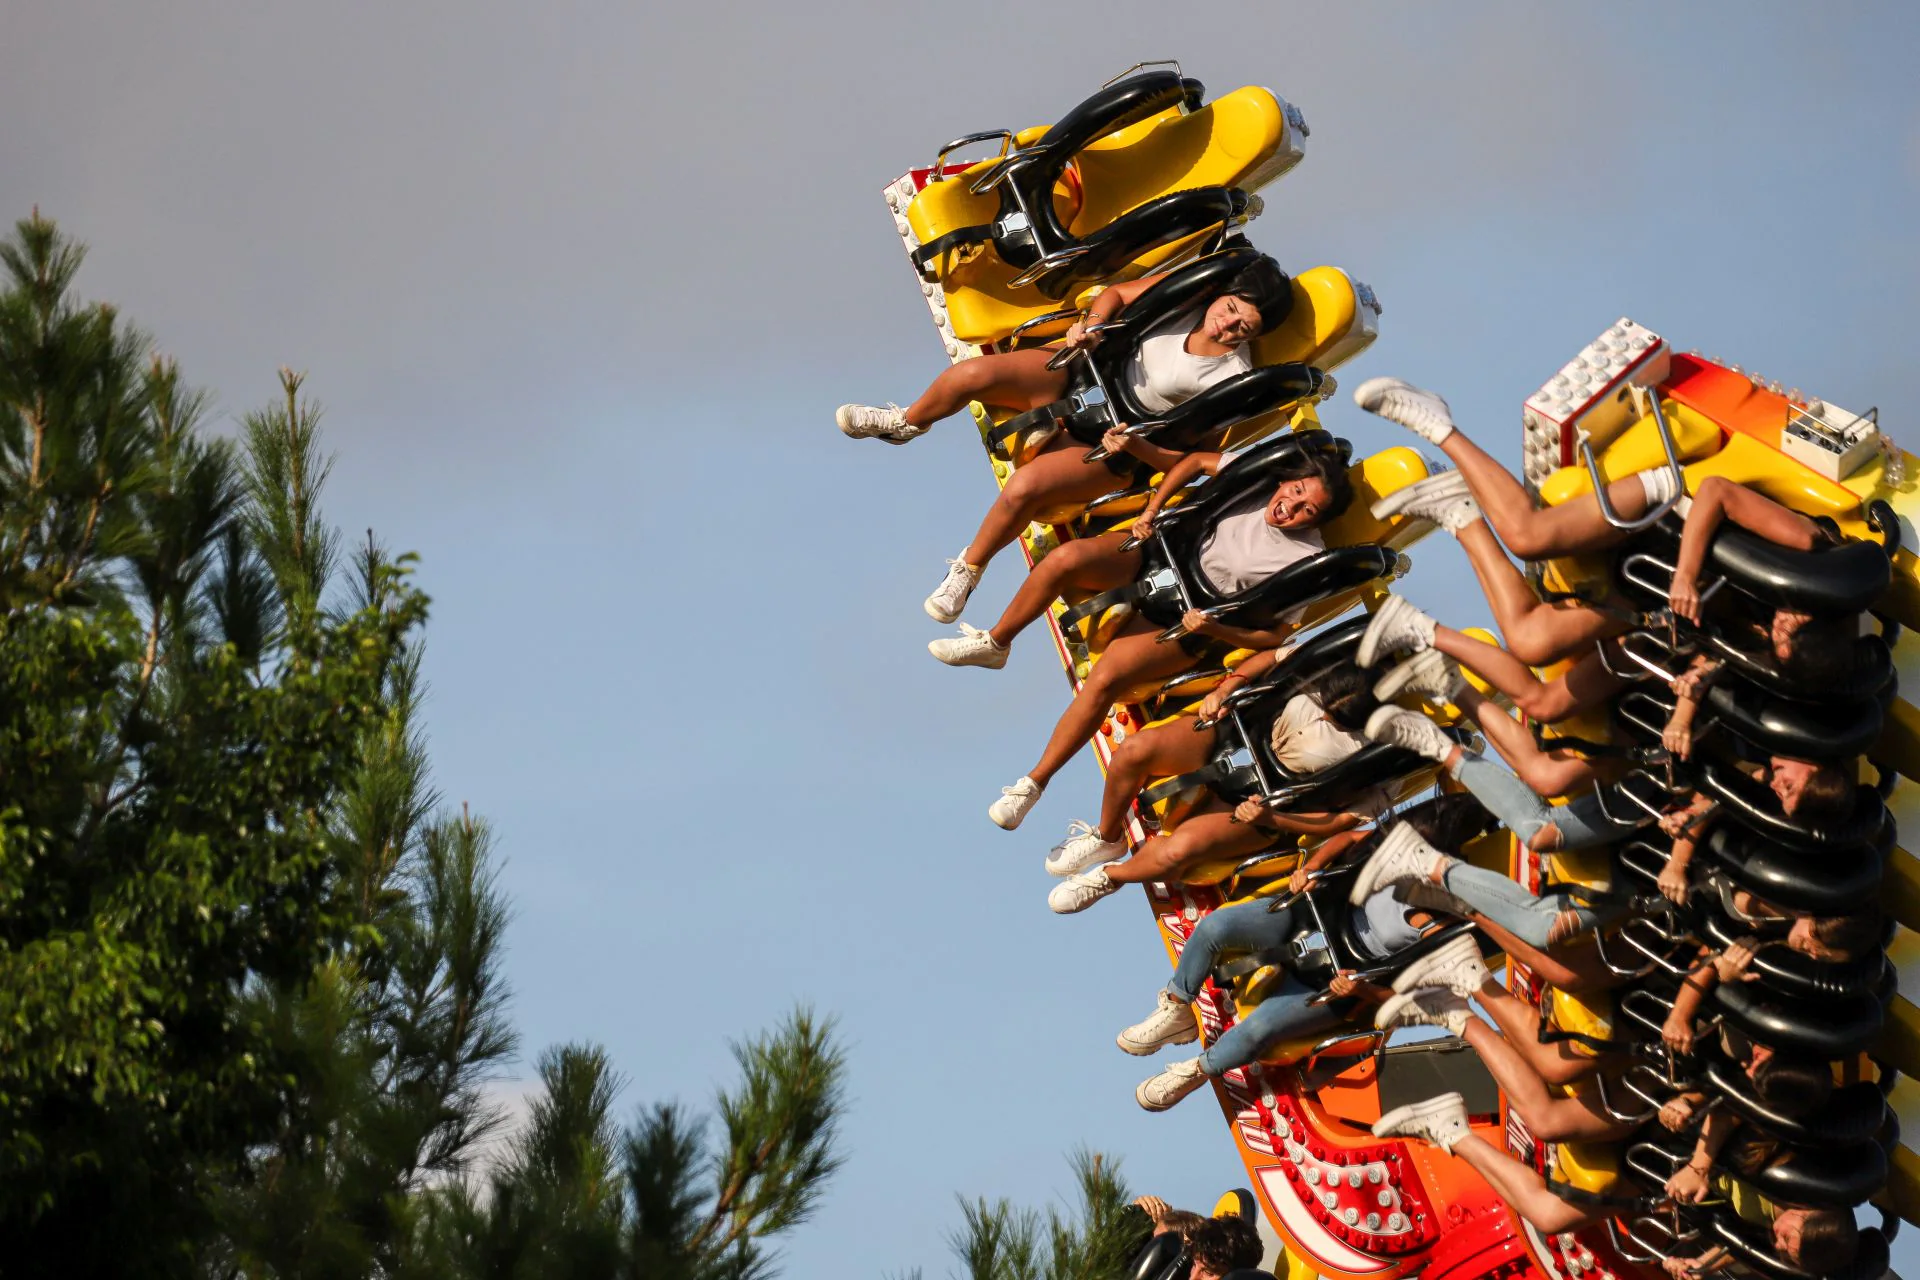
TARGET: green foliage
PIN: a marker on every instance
(250, 990)
(171, 748)
(1000, 1241)
(655, 1202)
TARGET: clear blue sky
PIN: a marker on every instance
(580, 285)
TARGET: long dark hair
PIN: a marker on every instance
(1265, 287)
(1327, 467)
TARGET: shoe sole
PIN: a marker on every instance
(1066, 869)
(938, 616)
(1419, 973)
(1183, 1037)
(1437, 1105)
(1404, 679)
(1400, 499)
(1369, 651)
(1369, 882)
(1140, 1096)
(968, 662)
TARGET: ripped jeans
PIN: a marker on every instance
(1525, 812)
(1527, 916)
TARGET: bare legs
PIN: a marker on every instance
(1552, 1119)
(1540, 533)
(1060, 477)
(1015, 380)
(1536, 632)
(1083, 565)
(1162, 751)
(1132, 658)
(1203, 837)
(1550, 773)
(1519, 1022)
(1586, 684)
(1524, 1190)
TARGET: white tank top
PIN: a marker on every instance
(1162, 373)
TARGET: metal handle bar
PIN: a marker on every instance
(1281, 904)
(1313, 1056)
(1614, 1113)
(1051, 317)
(1058, 258)
(1633, 565)
(1626, 645)
(1141, 66)
(940, 160)
(1133, 431)
(1060, 359)
(1607, 512)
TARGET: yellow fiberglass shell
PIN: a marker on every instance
(1588, 1015)
(1228, 142)
(1635, 450)
(1590, 1166)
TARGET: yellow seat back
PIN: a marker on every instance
(1590, 1166)
(1588, 1015)
(1241, 139)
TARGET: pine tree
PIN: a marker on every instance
(1000, 1241)
(171, 749)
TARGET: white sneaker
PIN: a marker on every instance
(1441, 1121)
(1429, 673)
(1157, 1093)
(971, 648)
(887, 422)
(1410, 730)
(1442, 498)
(1421, 412)
(1171, 1022)
(1077, 893)
(1427, 1007)
(1402, 855)
(950, 597)
(1456, 967)
(1014, 802)
(1083, 848)
(1398, 626)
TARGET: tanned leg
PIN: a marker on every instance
(1057, 478)
(1521, 1187)
(1536, 632)
(1540, 533)
(1160, 752)
(1551, 1119)
(1551, 773)
(1085, 564)
(1586, 684)
(1560, 1063)
(1015, 381)
(1132, 658)
(1203, 837)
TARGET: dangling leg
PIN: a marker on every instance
(1085, 564)
(1058, 478)
(1203, 837)
(1015, 381)
(1586, 684)
(1537, 633)
(1551, 1119)
(1541, 533)
(1519, 1022)
(1160, 752)
(1132, 658)
(1549, 772)
(1523, 1189)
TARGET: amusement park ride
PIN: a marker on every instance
(1148, 176)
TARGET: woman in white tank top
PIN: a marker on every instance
(1201, 346)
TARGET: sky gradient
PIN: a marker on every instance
(579, 286)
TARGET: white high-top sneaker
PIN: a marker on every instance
(1171, 1022)
(1014, 803)
(1397, 400)
(950, 597)
(1083, 848)
(971, 648)
(1397, 626)
(1427, 1007)
(884, 422)
(1456, 967)
(1441, 1121)
(1429, 673)
(1410, 730)
(1077, 893)
(1157, 1093)
(1443, 498)
(1402, 855)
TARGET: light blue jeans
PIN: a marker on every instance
(1283, 1015)
(1529, 917)
(1523, 811)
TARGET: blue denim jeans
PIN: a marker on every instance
(1283, 1015)
(1529, 917)
(1523, 811)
